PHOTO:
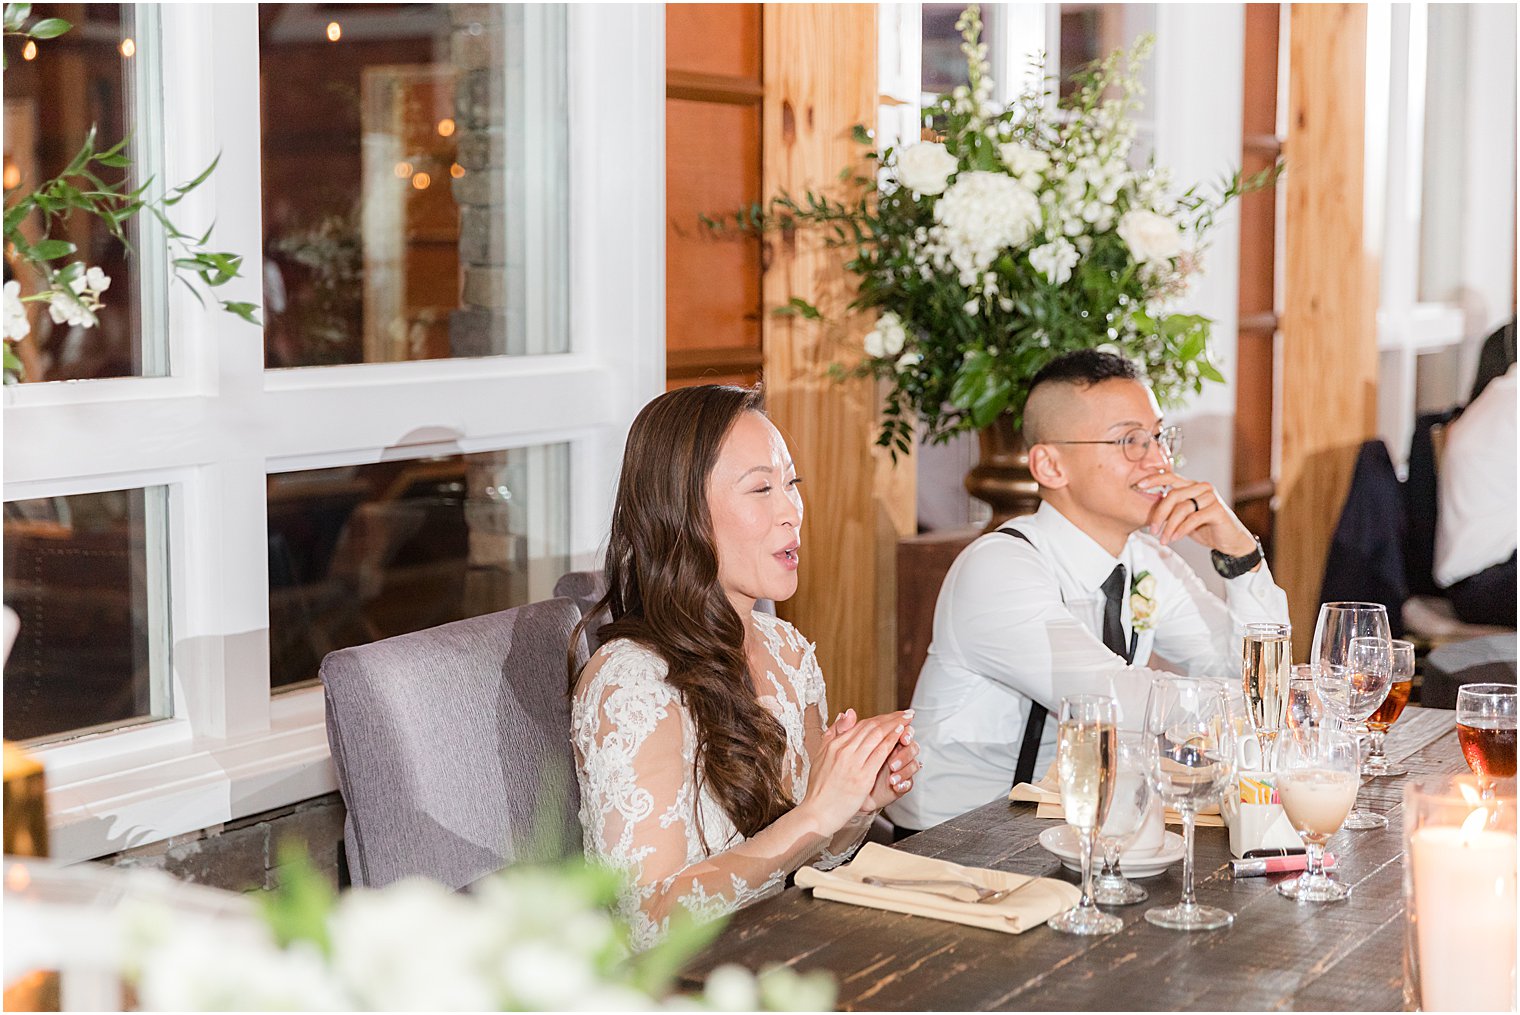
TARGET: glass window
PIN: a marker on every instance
(370, 551)
(414, 173)
(944, 65)
(95, 74)
(85, 574)
(1092, 31)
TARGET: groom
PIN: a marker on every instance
(1075, 597)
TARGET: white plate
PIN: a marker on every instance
(1062, 841)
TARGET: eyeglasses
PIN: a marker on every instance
(1136, 443)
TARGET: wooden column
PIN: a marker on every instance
(1329, 344)
(820, 80)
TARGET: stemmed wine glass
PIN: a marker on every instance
(1339, 625)
(1126, 816)
(1266, 655)
(1486, 729)
(1086, 749)
(1378, 724)
(1190, 746)
(1305, 710)
(1353, 692)
(1317, 781)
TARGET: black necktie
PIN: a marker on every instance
(1114, 588)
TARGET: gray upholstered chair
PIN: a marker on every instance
(587, 587)
(452, 747)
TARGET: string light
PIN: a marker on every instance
(128, 48)
(29, 51)
(445, 127)
(403, 170)
(456, 170)
(334, 31)
(421, 181)
(12, 176)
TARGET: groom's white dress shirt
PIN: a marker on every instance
(1018, 620)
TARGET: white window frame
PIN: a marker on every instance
(215, 428)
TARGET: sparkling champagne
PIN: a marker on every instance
(1392, 707)
(1085, 762)
(1265, 669)
(1489, 748)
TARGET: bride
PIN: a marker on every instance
(707, 770)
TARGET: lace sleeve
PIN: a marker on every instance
(640, 806)
(843, 844)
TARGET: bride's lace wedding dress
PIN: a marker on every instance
(634, 747)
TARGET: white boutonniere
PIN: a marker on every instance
(1142, 601)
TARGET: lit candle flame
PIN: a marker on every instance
(29, 51)
(1473, 826)
(128, 48)
(334, 31)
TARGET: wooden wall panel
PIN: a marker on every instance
(713, 39)
(820, 79)
(712, 164)
(1329, 345)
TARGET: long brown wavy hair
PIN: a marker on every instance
(663, 591)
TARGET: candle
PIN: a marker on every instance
(1464, 896)
(1460, 893)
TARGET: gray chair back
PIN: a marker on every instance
(452, 747)
(588, 587)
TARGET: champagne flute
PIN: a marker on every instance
(1317, 781)
(1400, 683)
(1338, 626)
(1266, 655)
(1190, 747)
(1486, 729)
(1126, 817)
(1086, 745)
(1353, 692)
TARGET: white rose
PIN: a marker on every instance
(1150, 237)
(1054, 260)
(893, 334)
(16, 324)
(908, 360)
(925, 167)
(1021, 160)
(876, 346)
(1146, 586)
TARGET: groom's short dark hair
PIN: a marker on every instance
(1080, 368)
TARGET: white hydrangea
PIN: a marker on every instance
(1054, 260)
(925, 167)
(16, 324)
(1150, 237)
(1022, 161)
(979, 216)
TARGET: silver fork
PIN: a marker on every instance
(983, 893)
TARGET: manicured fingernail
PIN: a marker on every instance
(909, 738)
(901, 727)
(896, 765)
(907, 785)
(908, 713)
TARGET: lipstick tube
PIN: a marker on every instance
(1274, 865)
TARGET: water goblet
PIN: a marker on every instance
(1305, 710)
(1127, 815)
(1317, 781)
(1352, 692)
(1401, 681)
(1190, 747)
(1086, 749)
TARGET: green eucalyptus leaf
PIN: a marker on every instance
(16, 15)
(247, 311)
(49, 28)
(49, 250)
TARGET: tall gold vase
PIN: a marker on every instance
(1002, 477)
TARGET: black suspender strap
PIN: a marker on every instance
(1034, 726)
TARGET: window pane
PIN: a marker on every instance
(414, 175)
(944, 65)
(55, 90)
(1092, 31)
(86, 576)
(366, 552)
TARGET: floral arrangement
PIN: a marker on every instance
(1018, 234)
(534, 938)
(72, 290)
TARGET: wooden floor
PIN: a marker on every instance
(1278, 955)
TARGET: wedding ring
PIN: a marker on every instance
(1195, 502)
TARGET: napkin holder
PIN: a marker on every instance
(1255, 817)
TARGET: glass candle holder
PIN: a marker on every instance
(1459, 894)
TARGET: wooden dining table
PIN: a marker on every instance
(1279, 954)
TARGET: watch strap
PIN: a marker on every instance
(1234, 567)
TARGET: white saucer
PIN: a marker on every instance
(1062, 841)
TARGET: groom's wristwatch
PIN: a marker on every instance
(1234, 567)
